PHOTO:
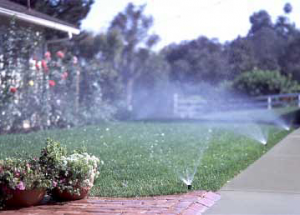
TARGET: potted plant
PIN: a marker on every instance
(22, 183)
(72, 175)
(77, 173)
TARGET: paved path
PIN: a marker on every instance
(271, 185)
(192, 203)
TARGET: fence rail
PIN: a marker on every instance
(193, 106)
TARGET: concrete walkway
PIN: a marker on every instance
(271, 185)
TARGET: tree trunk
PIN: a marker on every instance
(77, 92)
(129, 94)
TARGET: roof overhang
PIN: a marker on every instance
(39, 21)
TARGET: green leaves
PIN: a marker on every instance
(69, 172)
(259, 82)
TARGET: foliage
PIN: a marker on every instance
(47, 91)
(99, 89)
(62, 88)
(196, 61)
(78, 170)
(20, 174)
(50, 158)
(17, 98)
(260, 20)
(241, 57)
(259, 82)
(133, 26)
(68, 172)
(116, 74)
(288, 8)
(290, 60)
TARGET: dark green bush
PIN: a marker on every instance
(259, 82)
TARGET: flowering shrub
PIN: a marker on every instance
(68, 172)
(20, 174)
(53, 90)
(50, 159)
(77, 170)
(53, 169)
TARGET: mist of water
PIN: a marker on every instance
(187, 174)
(221, 109)
(183, 155)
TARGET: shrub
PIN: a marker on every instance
(68, 172)
(76, 171)
(21, 174)
(259, 82)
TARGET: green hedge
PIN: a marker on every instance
(259, 82)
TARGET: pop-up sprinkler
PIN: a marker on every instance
(189, 186)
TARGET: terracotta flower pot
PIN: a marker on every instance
(25, 198)
(65, 195)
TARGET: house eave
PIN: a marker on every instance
(39, 21)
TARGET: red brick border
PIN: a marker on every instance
(185, 204)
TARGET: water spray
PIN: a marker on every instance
(285, 127)
(264, 142)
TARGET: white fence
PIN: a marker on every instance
(195, 106)
(291, 99)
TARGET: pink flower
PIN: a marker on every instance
(60, 54)
(48, 55)
(64, 76)
(45, 66)
(54, 183)
(52, 83)
(17, 173)
(20, 186)
(75, 60)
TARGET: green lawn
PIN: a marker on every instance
(142, 159)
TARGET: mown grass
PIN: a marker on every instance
(144, 159)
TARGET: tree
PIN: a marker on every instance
(288, 8)
(241, 56)
(285, 29)
(268, 45)
(100, 53)
(197, 61)
(151, 92)
(290, 59)
(133, 27)
(260, 20)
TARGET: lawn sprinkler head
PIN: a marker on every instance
(264, 142)
(189, 186)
